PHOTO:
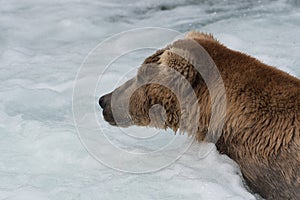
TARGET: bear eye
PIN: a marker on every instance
(147, 72)
(142, 74)
(139, 78)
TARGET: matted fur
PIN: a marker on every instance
(262, 127)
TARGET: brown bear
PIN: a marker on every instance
(261, 129)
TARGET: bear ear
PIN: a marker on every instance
(195, 35)
(188, 57)
(154, 58)
(176, 60)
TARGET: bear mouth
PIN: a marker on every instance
(118, 122)
(112, 123)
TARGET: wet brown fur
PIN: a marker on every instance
(262, 127)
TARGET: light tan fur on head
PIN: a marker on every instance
(199, 36)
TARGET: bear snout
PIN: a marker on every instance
(105, 104)
(105, 100)
(107, 114)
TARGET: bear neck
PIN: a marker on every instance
(263, 104)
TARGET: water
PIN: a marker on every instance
(42, 46)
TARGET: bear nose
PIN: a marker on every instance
(104, 100)
(101, 102)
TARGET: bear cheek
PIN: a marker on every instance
(139, 108)
(173, 116)
(166, 111)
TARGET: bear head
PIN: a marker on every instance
(166, 92)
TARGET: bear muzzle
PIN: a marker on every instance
(105, 100)
(105, 104)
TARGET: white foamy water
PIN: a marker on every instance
(42, 46)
